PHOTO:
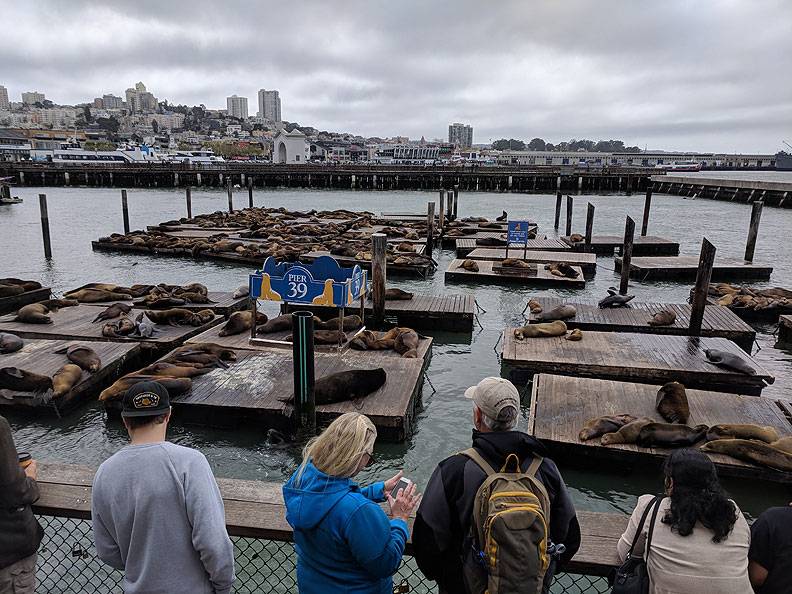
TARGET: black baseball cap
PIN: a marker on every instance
(146, 399)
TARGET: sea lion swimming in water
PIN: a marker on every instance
(241, 321)
(747, 450)
(557, 328)
(729, 361)
(672, 403)
(663, 318)
(112, 312)
(83, 356)
(33, 313)
(65, 379)
(764, 433)
(347, 385)
(397, 295)
(670, 435)
(9, 343)
(627, 433)
(602, 425)
(19, 380)
(560, 312)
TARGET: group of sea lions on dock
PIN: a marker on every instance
(752, 443)
(774, 301)
(11, 287)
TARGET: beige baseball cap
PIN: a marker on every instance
(493, 394)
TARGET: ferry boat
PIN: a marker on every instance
(783, 161)
(680, 166)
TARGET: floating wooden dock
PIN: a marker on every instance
(624, 356)
(466, 245)
(784, 329)
(718, 322)
(420, 266)
(606, 245)
(222, 303)
(561, 405)
(686, 267)
(13, 303)
(586, 262)
(39, 356)
(485, 274)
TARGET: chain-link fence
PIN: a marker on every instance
(67, 563)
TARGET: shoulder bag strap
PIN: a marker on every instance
(656, 504)
(479, 459)
(638, 531)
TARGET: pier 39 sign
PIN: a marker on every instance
(518, 231)
(323, 282)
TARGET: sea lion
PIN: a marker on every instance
(174, 385)
(164, 302)
(784, 444)
(576, 238)
(397, 295)
(562, 269)
(670, 435)
(83, 356)
(325, 337)
(10, 290)
(112, 312)
(503, 217)
(65, 379)
(405, 247)
(196, 298)
(204, 316)
(241, 291)
(192, 288)
(9, 343)
(97, 296)
(605, 424)
(534, 306)
(56, 304)
(221, 352)
(350, 323)
(241, 321)
(369, 341)
(347, 385)
(406, 344)
(560, 312)
(280, 323)
(757, 452)
(172, 317)
(729, 361)
(19, 380)
(470, 265)
(614, 299)
(144, 327)
(163, 368)
(672, 403)
(557, 328)
(663, 318)
(627, 433)
(764, 433)
(575, 335)
(27, 285)
(118, 328)
(515, 263)
(33, 313)
(491, 242)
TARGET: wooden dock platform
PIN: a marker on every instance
(485, 274)
(9, 304)
(719, 322)
(624, 356)
(606, 245)
(686, 267)
(587, 262)
(561, 405)
(39, 356)
(223, 303)
(465, 245)
(784, 329)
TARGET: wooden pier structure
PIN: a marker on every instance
(586, 262)
(13, 303)
(607, 245)
(785, 329)
(686, 267)
(223, 303)
(561, 405)
(466, 245)
(625, 356)
(486, 274)
(772, 193)
(719, 322)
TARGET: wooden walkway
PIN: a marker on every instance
(38, 356)
(223, 303)
(421, 266)
(686, 267)
(560, 406)
(587, 262)
(466, 245)
(606, 245)
(255, 509)
(784, 329)
(718, 321)
(485, 274)
(9, 304)
(624, 356)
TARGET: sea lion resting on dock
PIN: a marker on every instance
(515, 263)
(347, 385)
(241, 321)
(764, 433)
(614, 299)
(602, 425)
(576, 238)
(350, 323)
(557, 328)
(10, 290)
(670, 435)
(560, 312)
(163, 368)
(118, 328)
(784, 444)
(729, 361)
(575, 335)
(65, 379)
(757, 452)
(201, 355)
(491, 242)
(97, 296)
(241, 291)
(112, 312)
(470, 265)
(562, 269)
(27, 285)
(174, 317)
(663, 318)
(280, 323)
(34, 313)
(406, 343)
(627, 433)
(324, 337)
(9, 343)
(534, 306)
(397, 295)
(369, 341)
(83, 356)
(174, 385)
(672, 403)
(20, 380)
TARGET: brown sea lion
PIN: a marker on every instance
(350, 323)
(27, 285)
(20, 380)
(504, 217)
(369, 341)
(65, 379)
(602, 425)
(663, 318)
(174, 385)
(729, 361)
(347, 385)
(241, 321)
(576, 238)
(163, 368)
(9, 343)
(405, 247)
(560, 312)
(280, 323)
(163, 302)
(470, 265)
(397, 295)
(10, 290)
(557, 328)
(406, 344)
(222, 352)
(33, 313)
(83, 356)
(515, 263)
(670, 435)
(784, 444)
(97, 296)
(534, 306)
(747, 450)
(204, 316)
(171, 317)
(627, 433)
(193, 288)
(490, 241)
(325, 337)
(764, 433)
(118, 328)
(562, 269)
(56, 304)
(197, 298)
(575, 335)
(672, 403)
(112, 312)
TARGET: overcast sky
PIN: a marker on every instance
(688, 75)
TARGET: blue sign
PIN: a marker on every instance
(518, 231)
(323, 282)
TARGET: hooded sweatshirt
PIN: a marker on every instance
(344, 541)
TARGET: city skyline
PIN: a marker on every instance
(666, 75)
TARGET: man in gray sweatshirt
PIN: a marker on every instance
(157, 510)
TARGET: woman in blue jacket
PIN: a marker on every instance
(344, 541)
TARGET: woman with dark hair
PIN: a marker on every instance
(700, 539)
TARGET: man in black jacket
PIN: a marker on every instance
(20, 533)
(442, 538)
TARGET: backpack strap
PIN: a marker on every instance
(535, 464)
(478, 459)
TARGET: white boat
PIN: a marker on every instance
(683, 166)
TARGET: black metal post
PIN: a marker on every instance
(303, 360)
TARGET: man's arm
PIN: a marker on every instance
(564, 527)
(761, 551)
(757, 574)
(106, 545)
(16, 489)
(206, 513)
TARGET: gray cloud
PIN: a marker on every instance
(672, 74)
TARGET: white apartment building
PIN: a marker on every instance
(269, 105)
(460, 135)
(32, 97)
(237, 107)
(4, 98)
(139, 100)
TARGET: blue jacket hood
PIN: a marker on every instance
(317, 493)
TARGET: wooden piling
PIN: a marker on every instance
(188, 197)
(456, 201)
(250, 192)
(558, 209)
(125, 210)
(703, 277)
(647, 206)
(45, 231)
(569, 215)
(589, 225)
(627, 248)
(753, 230)
(441, 212)
(379, 244)
(430, 210)
(230, 195)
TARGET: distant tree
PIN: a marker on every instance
(47, 103)
(110, 124)
(155, 126)
(550, 147)
(537, 144)
(98, 145)
(508, 145)
(87, 115)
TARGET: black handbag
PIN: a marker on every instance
(632, 577)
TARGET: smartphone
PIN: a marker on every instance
(402, 484)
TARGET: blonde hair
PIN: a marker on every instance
(338, 449)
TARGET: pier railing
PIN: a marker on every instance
(265, 560)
